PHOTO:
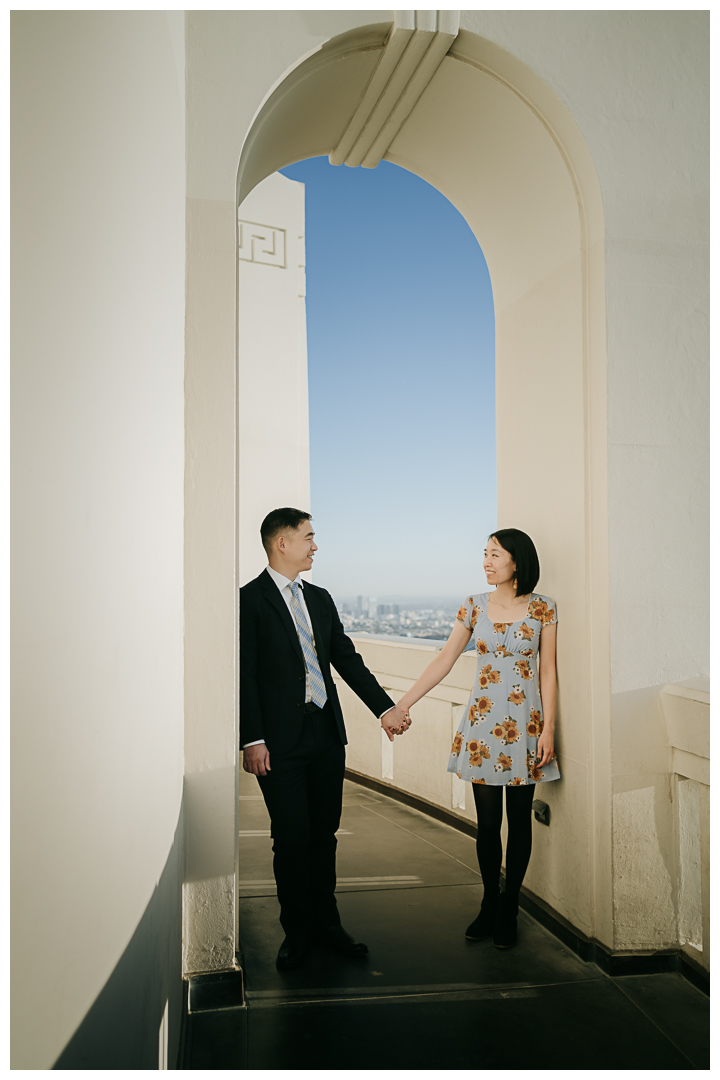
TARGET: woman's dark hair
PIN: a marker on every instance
(522, 551)
(287, 517)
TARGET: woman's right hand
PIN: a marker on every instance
(394, 722)
(404, 707)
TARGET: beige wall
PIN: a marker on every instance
(474, 135)
(660, 817)
(231, 60)
(273, 423)
(222, 546)
(211, 607)
(498, 164)
(593, 179)
(660, 801)
(650, 147)
(636, 82)
(97, 413)
(644, 840)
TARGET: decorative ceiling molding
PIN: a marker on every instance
(413, 52)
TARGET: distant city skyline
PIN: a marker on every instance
(364, 615)
(401, 368)
(403, 603)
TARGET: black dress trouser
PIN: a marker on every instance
(303, 794)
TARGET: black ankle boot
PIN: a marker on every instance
(484, 925)
(505, 935)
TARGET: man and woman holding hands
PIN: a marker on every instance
(293, 738)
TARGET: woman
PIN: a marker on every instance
(506, 737)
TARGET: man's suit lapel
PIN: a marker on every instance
(273, 595)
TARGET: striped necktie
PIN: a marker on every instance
(318, 693)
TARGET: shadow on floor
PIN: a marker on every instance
(426, 998)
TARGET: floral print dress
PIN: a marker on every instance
(496, 742)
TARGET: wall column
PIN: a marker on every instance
(211, 605)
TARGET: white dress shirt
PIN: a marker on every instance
(283, 585)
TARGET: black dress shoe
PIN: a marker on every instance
(291, 953)
(505, 935)
(484, 925)
(338, 939)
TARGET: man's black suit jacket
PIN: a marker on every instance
(272, 668)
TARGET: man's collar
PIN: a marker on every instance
(280, 580)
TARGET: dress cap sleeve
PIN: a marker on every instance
(543, 610)
(466, 612)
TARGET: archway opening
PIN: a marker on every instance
(401, 373)
(491, 137)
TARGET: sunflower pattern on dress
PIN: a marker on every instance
(496, 741)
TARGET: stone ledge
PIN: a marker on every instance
(691, 766)
(694, 689)
(686, 707)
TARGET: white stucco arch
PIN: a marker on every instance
(125, 688)
(491, 136)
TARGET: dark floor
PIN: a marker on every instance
(426, 998)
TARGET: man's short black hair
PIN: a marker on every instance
(287, 517)
(522, 551)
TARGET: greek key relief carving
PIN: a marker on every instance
(261, 244)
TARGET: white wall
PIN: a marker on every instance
(273, 425)
(98, 237)
(644, 841)
(232, 58)
(272, 470)
(633, 87)
(636, 82)
(660, 813)
(97, 409)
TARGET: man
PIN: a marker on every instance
(292, 732)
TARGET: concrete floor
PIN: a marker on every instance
(426, 998)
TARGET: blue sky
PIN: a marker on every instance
(401, 345)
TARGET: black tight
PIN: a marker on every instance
(489, 806)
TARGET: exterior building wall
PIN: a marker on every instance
(273, 429)
(638, 89)
(494, 153)
(634, 90)
(644, 841)
(637, 85)
(270, 387)
(534, 279)
(232, 60)
(613, 100)
(211, 602)
(660, 813)
(98, 228)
